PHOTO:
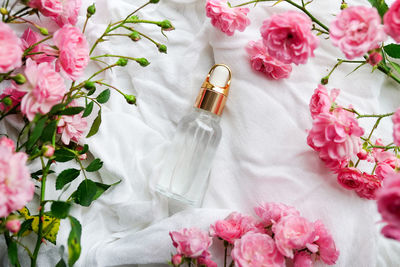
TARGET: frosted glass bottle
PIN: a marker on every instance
(188, 161)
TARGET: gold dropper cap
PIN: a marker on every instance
(212, 97)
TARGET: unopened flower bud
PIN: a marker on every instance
(176, 260)
(89, 85)
(343, 6)
(13, 225)
(325, 80)
(362, 155)
(162, 48)
(154, 1)
(133, 18)
(48, 151)
(131, 99)
(122, 62)
(7, 101)
(143, 62)
(374, 58)
(166, 25)
(19, 78)
(82, 157)
(43, 31)
(91, 10)
(135, 36)
(3, 11)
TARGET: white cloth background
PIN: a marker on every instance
(263, 155)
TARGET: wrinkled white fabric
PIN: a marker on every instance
(263, 155)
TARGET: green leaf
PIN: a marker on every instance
(95, 165)
(71, 111)
(49, 131)
(84, 149)
(74, 241)
(35, 175)
(57, 107)
(95, 126)
(86, 192)
(25, 226)
(393, 50)
(103, 96)
(88, 109)
(61, 263)
(60, 209)
(63, 155)
(65, 177)
(395, 66)
(380, 5)
(101, 188)
(36, 133)
(51, 226)
(13, 252)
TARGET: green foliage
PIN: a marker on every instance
(36, 133)
(85, 193)
(66, 176)
(64, 155)
(103, 96)
(49, 131)
(95, 126)
(13, 252)
(71, 111)
(60, 209)
(74, 241)
(26, 226)
(95, 165)
(392, 50)
(380, 5)
(88, 109)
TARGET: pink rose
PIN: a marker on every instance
(191, 242)
(48, 151)
(176, 260)
(13, 226)
(16, 186)
(234, 227)
(321, 101)
(293, 232)
(49, 8)
(371, 183)
(205, 260)
(391, 231)
(72, 128)
(264, 63)
(327, 247)
(69, 13)
(336, 136)
(302, 259)
(391, 20)
(44, 88)
(383, 170)
(225, 18)
(14, 95)
(62, 12)
(29, 38)
(356, 30)
(288, 37)
(396, 127)
(350, 178)
(10, 49)
(374, 58)
(73, 51)
(256, 250)
(272, 212)
(388, 200)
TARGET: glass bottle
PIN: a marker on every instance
(188, 161)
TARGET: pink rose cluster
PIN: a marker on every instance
(280, 235)
(16, 186)
(336, 136)
(225, 18)
(62, 12)
(286, 39)
(388, 200)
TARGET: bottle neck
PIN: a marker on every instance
(211, 100)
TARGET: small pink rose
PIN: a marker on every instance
(302, 259)
(322, 101)
(272, 212)
(350, 178)
(288, 37)
(357, 30)
(371, 183)
(396, 127)
(176, 259)
(48, 151)
(225, 18)
(327, 248)
(13, 225)
(10, 49)
(191, 242)
(391, 21)
(391, 231)
(383, 170)
(256, 250)
(388, 199)
(374, 58)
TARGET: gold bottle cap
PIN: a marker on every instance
(215, 89)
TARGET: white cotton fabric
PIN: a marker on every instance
(262, 157)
